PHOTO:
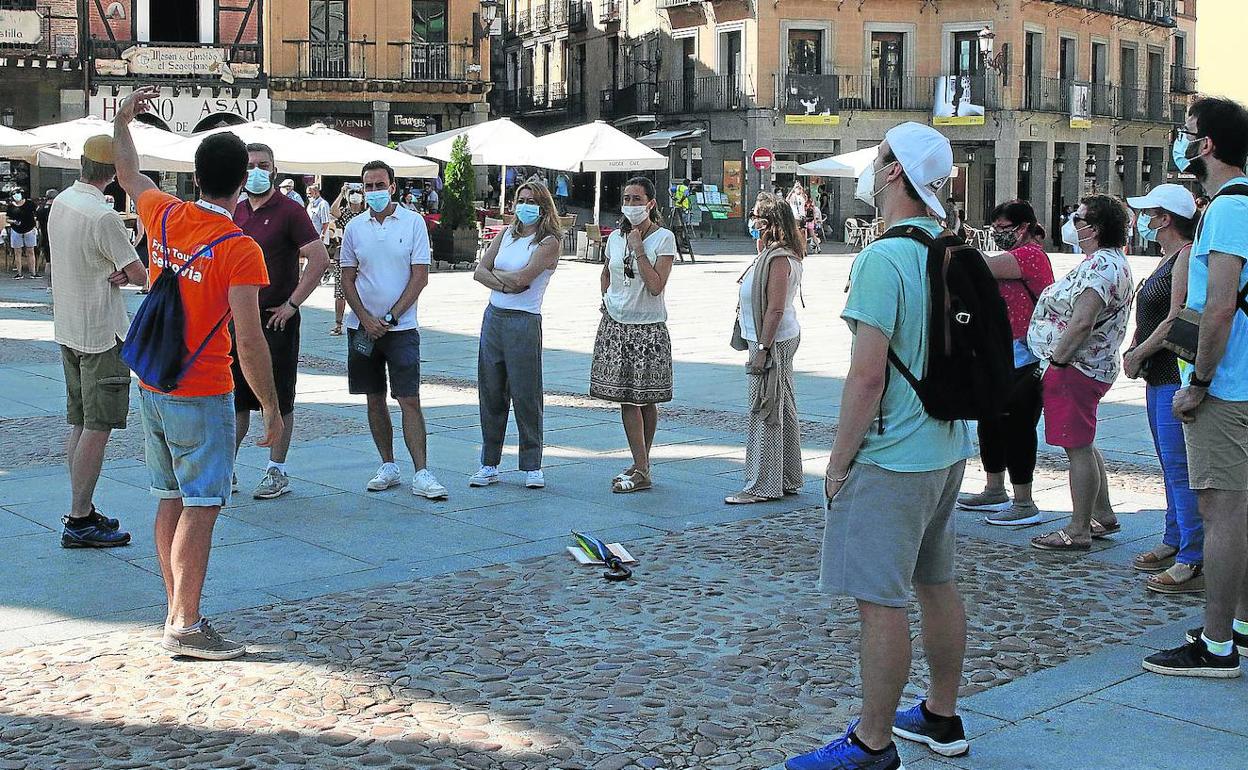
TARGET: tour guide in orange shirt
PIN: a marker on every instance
(189, 432)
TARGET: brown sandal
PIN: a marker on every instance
(1169, 583)
(1151, 561)
(636, 481)
(1044, 542)
(1101, 531)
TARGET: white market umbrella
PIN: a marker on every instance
(596, 147)
(312, 150)
(493, 143)
(66, 141)
(19, 144)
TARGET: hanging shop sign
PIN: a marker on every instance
(20, 28)
(179, 61)
(959, 101)
(1080, 105)
(811, 100)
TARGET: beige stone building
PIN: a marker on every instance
(386, 71)
(1041, 98)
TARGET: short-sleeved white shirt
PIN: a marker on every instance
(383, 254)
(634, 304)
(514, 254)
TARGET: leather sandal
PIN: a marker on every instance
(1065, 542)
(636, 481)
(1101, 531)
(746, 498)
(1172, 581)
(1151, 561)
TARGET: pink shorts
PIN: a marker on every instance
(1070, 402)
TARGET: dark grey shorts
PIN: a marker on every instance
(399, 352)
(886, 531)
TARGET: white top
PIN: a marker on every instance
(788, 328)
(88, 242)
(514, 254)
(383, 254)
(634, 304)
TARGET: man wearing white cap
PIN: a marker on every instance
(1166, 216)
(891, 492)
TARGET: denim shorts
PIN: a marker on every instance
(23, 240)
(189, 445)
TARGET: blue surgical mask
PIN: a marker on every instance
(1143, 226)
(377, 200)
(528, 213)
(259, 181)
(755, 233)
(1182, 144)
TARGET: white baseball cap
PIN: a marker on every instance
(1170, 197)
(926, 158)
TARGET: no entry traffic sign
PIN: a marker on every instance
(762, 158)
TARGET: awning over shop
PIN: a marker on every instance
(661, 140)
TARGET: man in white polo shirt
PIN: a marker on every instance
(385, 266)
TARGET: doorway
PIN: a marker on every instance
(887, 66)
(173, 21)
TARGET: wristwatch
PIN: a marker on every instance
(293, 306)
(1197, 382)
(389, 320)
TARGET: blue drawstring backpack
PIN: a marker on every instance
(155, 347)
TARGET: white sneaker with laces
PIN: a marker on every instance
(488, 474)
(535, 479)
(426, 485)
(387, 476)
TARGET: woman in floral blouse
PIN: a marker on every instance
(1077, 328)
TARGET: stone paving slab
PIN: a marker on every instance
(720, 654)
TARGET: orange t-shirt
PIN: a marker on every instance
(206, 286)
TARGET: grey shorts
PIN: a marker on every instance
(1217, 446)
(398, 352)
(886, 531)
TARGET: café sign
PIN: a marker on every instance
(20, 28)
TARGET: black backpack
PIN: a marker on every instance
(970, 356)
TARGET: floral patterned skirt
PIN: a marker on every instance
(632, 363)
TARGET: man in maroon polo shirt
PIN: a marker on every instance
(285, 234)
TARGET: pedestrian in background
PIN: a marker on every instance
(23, 233)
(517, 267)
(1008, 443)
(318, 212)
(1212, 145)
(287, 188)
(632, 362)
(347, 206)
(42, 211)
(93, 259)
(1166, 216)
(768, 321)
(1077, 329)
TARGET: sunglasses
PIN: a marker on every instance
(628, 266)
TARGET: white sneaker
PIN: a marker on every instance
(535, 479)
(483, 478)
(387, 476)
(425, 484)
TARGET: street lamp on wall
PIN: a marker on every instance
(998, 61)
(1120, 166)
(1024, 165)
(1146, 170)
(1089, 167)
(483, 20)
(970, 155)
(1059, 167)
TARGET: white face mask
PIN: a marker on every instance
(355, 198)
(865, 191)
(1070, 233)
(636, 214)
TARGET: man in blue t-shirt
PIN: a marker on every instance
(893, 475)
(1213, 405)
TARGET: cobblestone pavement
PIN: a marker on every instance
(721, 653)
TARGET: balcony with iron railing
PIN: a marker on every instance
(715, 93)
(530, 100)
(1183, 79)
(1161, 12)
(440, 62)
(609, 11)
(578, 20)
(1149, 104)
(846, 92)
(541, 17)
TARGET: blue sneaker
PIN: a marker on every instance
(91, 533)
(946, 737)
(107, 522)
(844, 754)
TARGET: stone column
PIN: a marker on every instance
(277, 109)
(381, 121)
(1006, 174)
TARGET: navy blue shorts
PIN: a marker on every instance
(397, 351)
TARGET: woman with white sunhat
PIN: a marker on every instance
(1167, 217)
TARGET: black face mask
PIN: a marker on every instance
(1197, 168)
(1005, 240)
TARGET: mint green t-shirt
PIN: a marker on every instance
(888, 289)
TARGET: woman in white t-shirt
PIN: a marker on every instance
(633, 350)
(517, 267)
(767, 318)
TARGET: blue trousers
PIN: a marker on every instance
(1183, 526)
